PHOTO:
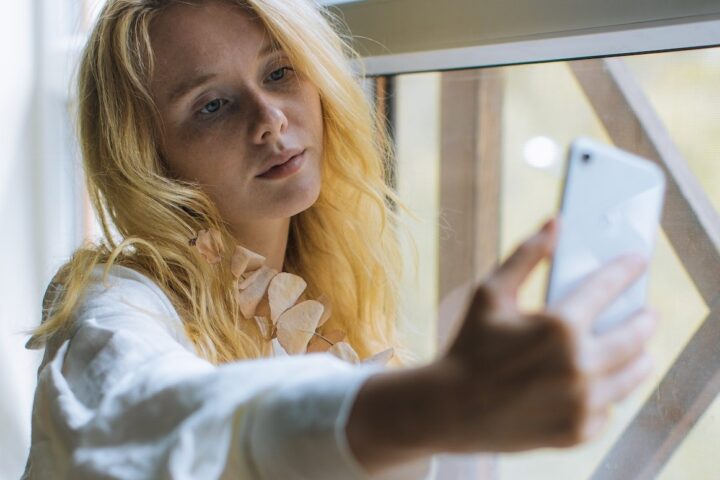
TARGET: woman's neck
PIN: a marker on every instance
(267, 237)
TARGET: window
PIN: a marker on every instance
(480, 156)
(41, 180)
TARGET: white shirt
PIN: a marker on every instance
(123, 395)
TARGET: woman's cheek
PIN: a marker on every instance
(208, 148)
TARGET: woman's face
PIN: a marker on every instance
(231, 108)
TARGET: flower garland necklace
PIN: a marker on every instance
(270, 299)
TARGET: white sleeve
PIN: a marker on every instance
(125, 397)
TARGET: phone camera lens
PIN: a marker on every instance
(585, 158)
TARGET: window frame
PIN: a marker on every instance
(585, 29)
(637, 453)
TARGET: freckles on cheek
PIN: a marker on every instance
(215, 160)
(180, 157)
(194, 149)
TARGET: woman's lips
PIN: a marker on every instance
(285, 169)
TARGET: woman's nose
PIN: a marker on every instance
(271, 121)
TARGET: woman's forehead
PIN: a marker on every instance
(191, 40)
(184, 28)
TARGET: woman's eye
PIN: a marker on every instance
(279, 74)
(213, 106)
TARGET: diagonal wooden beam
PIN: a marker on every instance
(689, 220)
(693, 228)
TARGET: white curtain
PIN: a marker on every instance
(39, 194)
(20, 272)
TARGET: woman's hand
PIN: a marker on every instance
(518, 380)
(509, 380)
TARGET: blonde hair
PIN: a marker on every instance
(345, 246)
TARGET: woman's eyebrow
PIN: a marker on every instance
(188, 85)
(182, 88)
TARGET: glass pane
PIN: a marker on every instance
(543, 109)
(417, 105)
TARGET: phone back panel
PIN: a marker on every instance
(612, 202)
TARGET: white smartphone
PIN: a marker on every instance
(611, 205)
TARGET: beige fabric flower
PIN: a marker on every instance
(274, 302)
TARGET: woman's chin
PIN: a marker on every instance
(289, 203)
(299, 195)
(307, 202)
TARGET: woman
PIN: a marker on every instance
(228, 141)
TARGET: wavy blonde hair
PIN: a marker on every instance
(345, 246)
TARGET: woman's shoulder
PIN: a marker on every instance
(120, 298)
(115, 288)
(123, 284)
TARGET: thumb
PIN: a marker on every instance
(511, 274)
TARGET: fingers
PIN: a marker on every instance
(609, 368)
(615, 348)
(622, 361)
(594, 399)
(590, 401)
(587, 301)
(617, 387)
(513, 271)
